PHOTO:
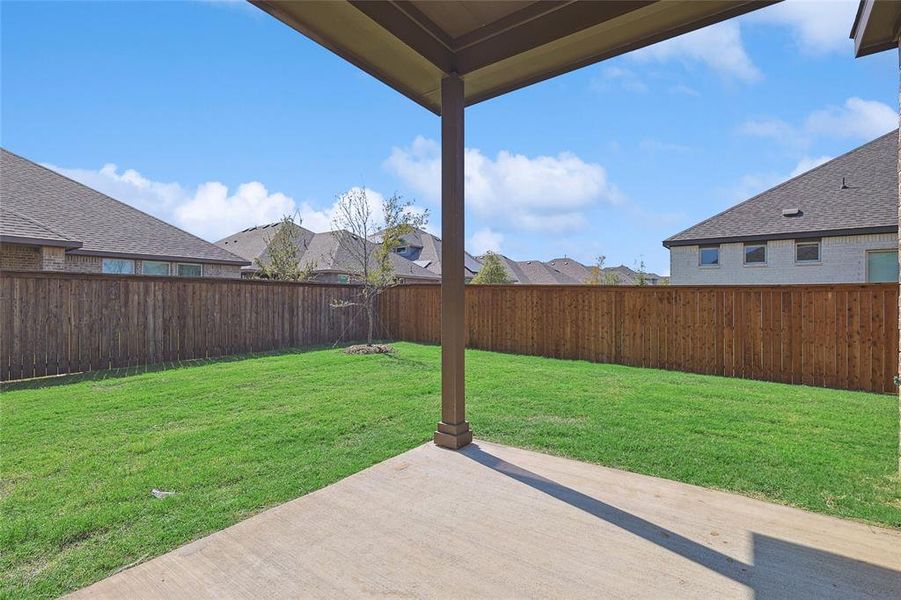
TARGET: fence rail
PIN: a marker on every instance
(64, 323)
(840, 336)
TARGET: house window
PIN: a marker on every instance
(118, 266)
(343, 278)
(709, 256)
(155, 267)
(807, 252)
(755, 254)
(882, 266)
(189, 270)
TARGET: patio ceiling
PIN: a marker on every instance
(495, 46)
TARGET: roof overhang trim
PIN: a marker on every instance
(877, 26)
(168, 258)
(798, 235)
(32, 241)
(411, 44)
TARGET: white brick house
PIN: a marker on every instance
(837, 223)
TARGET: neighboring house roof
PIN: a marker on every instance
(627, 276)
(428, 252)
(19, 229)
(856, 193)
(328, 251)
(534, 272)
(251, 243)
(571, 268)
(102, 225)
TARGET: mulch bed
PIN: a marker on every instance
(369, 349)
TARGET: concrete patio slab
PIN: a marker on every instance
(491, 521)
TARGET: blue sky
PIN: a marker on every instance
(216, 117)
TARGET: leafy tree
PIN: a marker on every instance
(355, 222)
(597, 273)
(611, 278)
(641, 272)
(281, 260)
(492, 271)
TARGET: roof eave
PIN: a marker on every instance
(401, 47)
(791, 235)
(876, 27)
(170, 258)
(34, 241)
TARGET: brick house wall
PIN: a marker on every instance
(842, 260)
(14, 257)
(53, 258)
(19, 258)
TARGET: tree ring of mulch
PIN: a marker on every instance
(369, 349)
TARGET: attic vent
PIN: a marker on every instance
(791, 212)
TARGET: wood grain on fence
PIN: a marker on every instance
(56, 323)
(840, 336)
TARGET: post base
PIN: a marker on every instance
(453, 436)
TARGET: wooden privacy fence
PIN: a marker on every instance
(55, 323)
(839, 336)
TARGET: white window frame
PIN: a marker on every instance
(177, 265)
(159, 262)
(744, 254)
(817, 243)
(127, 260)
(719, 253)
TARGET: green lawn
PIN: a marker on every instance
(235, 437)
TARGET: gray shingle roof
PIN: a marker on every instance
(328, 251)
(867, 204)
(17, 228)
(429, 253)
(534, 272)
(103, 225)
(572, 268)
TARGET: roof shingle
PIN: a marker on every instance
(102, 224)
(327, 251)
(856, 192)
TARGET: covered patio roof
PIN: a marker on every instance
(876, 26)
(496, 47)
(449, 54)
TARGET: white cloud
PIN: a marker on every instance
(754, 183)
(213, 212)
(614, 77)
(774, 129)
(857, 118)
(655, 145)
(684, 90)
(818, 27)
(807, 163)
(484, 240)
(547, 193)
(210, 211)
(719, 47)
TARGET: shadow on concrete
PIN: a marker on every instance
(780, 570)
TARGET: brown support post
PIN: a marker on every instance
(453, 430)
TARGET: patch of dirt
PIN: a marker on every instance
(369, 349)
